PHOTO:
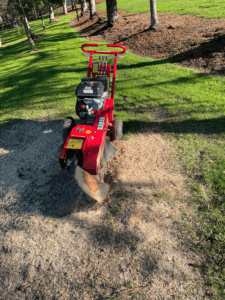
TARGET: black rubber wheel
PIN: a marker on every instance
(68, 124)
(118, 130)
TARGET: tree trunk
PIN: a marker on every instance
(64, 7)
(7, 22)
(43, 24)
(0, 42)
(112, 13)
(74, 7)
(27, 27)
(14, 19)
(154, 17)
(92, 8)
(33, 36)
(51, 12)
(16, 23)
(83, 7)
(35, 13)
(2, 23)
(73, 4)
(26, 24)
(17, 27)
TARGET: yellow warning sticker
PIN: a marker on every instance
(88, 131)
(75, 144)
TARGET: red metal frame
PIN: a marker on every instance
(92, 52)
(94, 138)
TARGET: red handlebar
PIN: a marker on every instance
(103, 52)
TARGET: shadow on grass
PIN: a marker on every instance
(211, 126)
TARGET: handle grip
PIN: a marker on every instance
(103, 52)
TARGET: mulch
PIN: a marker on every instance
(186, 40)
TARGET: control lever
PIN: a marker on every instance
(106, 63)
(99, 63)
(103, 65)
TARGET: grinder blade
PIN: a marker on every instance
(90, 185)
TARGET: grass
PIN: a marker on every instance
(198, 8)
(43, 83)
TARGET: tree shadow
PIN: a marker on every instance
(205, 50)
(128, 37)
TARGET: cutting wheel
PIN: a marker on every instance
(90, 185)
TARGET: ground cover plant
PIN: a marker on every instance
(42, 83)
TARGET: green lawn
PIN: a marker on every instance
(199, 8)
(43, 83)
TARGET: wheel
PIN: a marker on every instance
(68, 124)
(118, 130)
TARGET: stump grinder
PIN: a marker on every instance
(88, 143)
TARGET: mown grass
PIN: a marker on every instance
(198, 8)
(43, 83)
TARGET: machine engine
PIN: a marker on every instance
(91, 96)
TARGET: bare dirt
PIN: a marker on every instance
(56, 243)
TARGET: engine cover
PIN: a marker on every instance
(90, 89)
(86, 105)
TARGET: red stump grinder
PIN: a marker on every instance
(89, 142)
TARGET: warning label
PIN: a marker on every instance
(101, 123)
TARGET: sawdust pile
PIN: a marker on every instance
(143, 162)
